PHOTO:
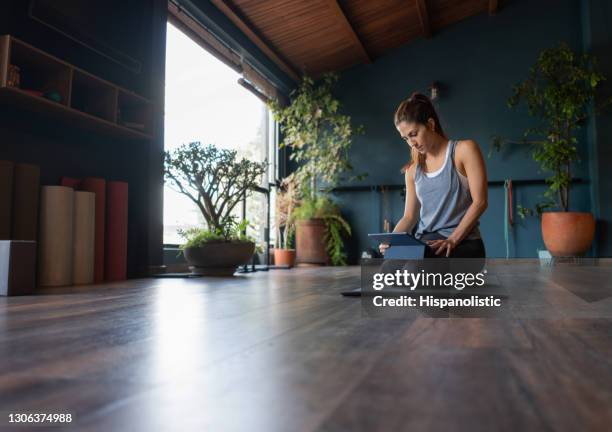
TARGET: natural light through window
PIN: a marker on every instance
(205, 103)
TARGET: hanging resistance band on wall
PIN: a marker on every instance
(385, 209)
(508, 216)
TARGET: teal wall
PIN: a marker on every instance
(597, 39)
(477, 61)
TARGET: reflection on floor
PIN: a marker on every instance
(282, 350)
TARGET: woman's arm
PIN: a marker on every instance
(411, 208)
(469, 160)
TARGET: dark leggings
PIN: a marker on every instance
(465, 249)
(473, 249)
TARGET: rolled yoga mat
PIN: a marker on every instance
(55, 241)
(70, 182)
(115, 260)
(98, 186)
(6, 199)
(83, 238)
(26, 186)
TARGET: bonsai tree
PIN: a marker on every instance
(559, 91)
(319, 137)
(216, 180)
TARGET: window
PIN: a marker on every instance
(205, 103)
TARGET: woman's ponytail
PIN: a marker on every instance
(418, 108)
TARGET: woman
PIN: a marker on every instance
(446, 184)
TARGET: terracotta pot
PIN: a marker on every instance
(284, 257)
(567, 234)
(219, 259)
(310, 242)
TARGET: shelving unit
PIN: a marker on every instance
(63, 92)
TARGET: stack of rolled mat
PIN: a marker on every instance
(6, 198)
(83, 241)
(111, 225)
(19, 185)
(116, 231)
(56, 234)
(26, 183)
(98, 186)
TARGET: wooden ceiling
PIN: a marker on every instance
(316, 36)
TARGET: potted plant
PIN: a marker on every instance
(322, 228)
(286, 202)
(216, 181)
(559, 90)
(319, 138)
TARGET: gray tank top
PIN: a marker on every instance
(444, 196)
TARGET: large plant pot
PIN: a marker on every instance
(567, 234)
(310, 242)
(284, 257)
(219, 259)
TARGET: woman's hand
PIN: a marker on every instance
(442, 246)
(382, 248)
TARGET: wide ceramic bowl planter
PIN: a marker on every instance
(310, 242)
(219, 259)
(284, 257)
(568, 234)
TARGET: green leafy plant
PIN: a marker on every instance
(318, 135)
(319, 138)
(216, 180)
(336, 226)
(559, 91)
(290, 239)
(231, 231)
(286, 202)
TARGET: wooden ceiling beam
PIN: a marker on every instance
(493, 6)
(256, 39)
(424, 18)
(340, 16)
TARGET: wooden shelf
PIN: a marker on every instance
(82, 100)
(78, 119)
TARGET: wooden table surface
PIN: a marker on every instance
(283, 351)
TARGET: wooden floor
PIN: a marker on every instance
(283, 351)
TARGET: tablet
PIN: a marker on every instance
(397, 239)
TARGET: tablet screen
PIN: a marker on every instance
(396, 239)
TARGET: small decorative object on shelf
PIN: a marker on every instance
(13, 76)
(53, 95)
